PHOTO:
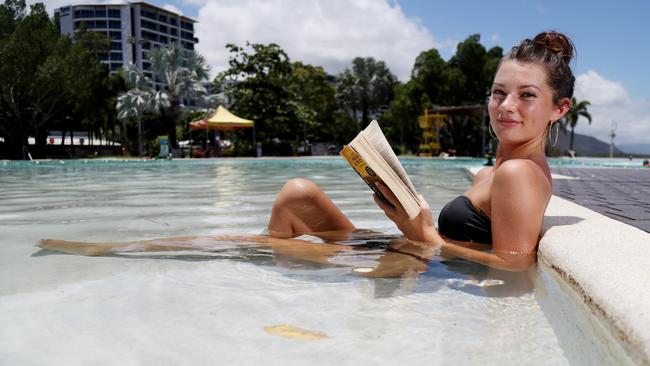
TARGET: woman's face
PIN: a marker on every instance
(521, 105)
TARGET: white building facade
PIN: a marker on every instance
(133, 29)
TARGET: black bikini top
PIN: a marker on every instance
(460, 220)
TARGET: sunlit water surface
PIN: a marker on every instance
(216, 307)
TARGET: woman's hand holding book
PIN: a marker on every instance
(421, 228)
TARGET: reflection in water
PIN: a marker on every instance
(393, 264)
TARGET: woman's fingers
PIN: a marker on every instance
(390, 196)
(388, 209)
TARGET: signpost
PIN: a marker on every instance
(164, 147)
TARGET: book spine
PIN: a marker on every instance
(365, 172)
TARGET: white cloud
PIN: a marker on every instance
(172, 8)
(611, 102)
(328, 33)
(600, 90)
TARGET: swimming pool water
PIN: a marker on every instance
(216, 308)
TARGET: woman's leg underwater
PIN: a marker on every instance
(302, 207)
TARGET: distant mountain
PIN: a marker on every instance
(635, 148)
(585, 145)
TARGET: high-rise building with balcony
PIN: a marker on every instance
(133, 28)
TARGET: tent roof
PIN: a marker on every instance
(222, 119)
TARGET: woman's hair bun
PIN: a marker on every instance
(554, 50)
(556, 43)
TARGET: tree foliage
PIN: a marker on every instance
(318, 110)
(291, 103)
(46, 80)
(577, 110)
(184, 77)
(365, 88)
(464, 79)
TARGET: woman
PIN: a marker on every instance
(503, 209)
(505, 205)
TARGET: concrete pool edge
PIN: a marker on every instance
(606, 262)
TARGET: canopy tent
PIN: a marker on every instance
(221, 120)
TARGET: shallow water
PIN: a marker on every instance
(213, 306)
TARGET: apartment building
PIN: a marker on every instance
(134, 28)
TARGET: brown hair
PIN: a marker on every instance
(554, 51)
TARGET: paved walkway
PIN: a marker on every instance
(622, 194)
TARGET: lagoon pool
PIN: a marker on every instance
(619, 163)
(225, 306)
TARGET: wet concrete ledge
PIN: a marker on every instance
(607, 262)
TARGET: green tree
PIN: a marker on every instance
(84, 82)
(26, 102)
(257, 83)
(365, 89)
(106, 114)
(464, 79)
(135, 102)
(46, 80)
(314, 98)
(183, 76)
(428, 77)
(11, 13)
(475, 64)
(576, 110)
(291, 103)
(399, 123)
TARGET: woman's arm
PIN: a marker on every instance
(519, 196)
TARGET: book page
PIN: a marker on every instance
(370, 165)
(376, 137)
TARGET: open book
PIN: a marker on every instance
(372, 157)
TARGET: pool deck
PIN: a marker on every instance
(596, 235)
(622, 194)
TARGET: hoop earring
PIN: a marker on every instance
(494, 136)
(557, 133)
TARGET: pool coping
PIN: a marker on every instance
(606, 262)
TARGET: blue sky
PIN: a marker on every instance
(610, 37)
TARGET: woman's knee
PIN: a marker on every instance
(297, 190)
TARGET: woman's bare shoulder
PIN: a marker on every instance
(522, 173)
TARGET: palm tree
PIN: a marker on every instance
(184, 76)
(137, 101)
(571, 118)
(133, 104)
